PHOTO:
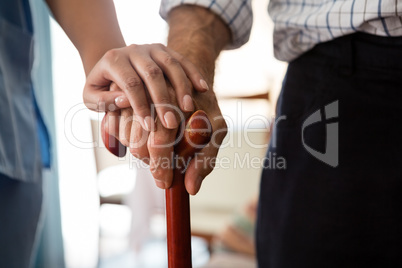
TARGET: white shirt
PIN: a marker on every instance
(301, 24)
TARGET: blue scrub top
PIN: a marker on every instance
(24, 140)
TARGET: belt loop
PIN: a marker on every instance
(346, 61)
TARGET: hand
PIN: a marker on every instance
(156, 148)
(204, 162)
(200, 35)
(138, 70)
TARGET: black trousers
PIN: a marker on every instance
(20, 208)
(338, 200)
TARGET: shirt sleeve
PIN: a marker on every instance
(236, 13)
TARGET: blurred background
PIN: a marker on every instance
(112, 213)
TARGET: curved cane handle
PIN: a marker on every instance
(111, 143)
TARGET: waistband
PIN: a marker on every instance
(360, 50)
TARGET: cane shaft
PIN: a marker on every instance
(178, 223)
(197, 133)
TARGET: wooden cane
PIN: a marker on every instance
(194, 135)
(197, 133)
(111, 143)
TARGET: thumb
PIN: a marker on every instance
(104, 101)
(202, 164)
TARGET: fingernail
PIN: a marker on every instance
(121, 101)
(204, 84)
(170, 120)
(148, 123)
(198, 183)
(188, 103)
(160, 184)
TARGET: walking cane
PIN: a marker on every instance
(194, 135)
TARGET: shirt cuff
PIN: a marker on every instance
(237, 15)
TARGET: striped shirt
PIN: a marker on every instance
(301, 24)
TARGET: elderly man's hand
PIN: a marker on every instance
(155, 148)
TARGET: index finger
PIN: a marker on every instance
(160, 147)
(117, 68)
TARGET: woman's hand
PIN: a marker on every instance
(140, 71)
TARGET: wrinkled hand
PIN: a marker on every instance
(204, 162)
(156, 147)
(139, 71)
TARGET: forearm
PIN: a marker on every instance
(199, 35)
(91, 25)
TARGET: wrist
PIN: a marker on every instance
(199, 35)
(92, 53)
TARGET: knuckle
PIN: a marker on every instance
(142, 156)
(133, 46)
(101, 103)
(158, 173)
(125, 122)
(152, 71)
(91, 106)
(164, 100)
(112, 55)
(134, 151)
(141, 109)
(220, 137)
(101, 99)
(160, 140)
(169, 61)
(131, 83)
(138, 142)
(181, 58)
(224, 128)
(126, 112)
(124, 135)
(159, 45)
